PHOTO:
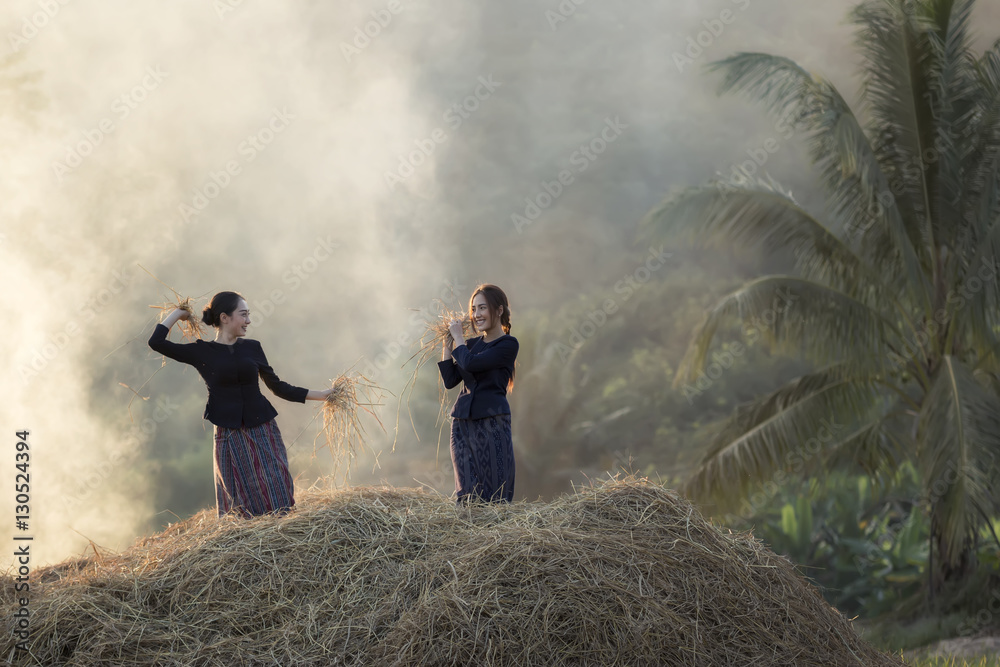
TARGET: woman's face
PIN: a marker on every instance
(236, 324)
(481, 315)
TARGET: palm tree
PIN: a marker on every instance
(895, 297)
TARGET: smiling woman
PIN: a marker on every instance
(251, 465)
(482, 450)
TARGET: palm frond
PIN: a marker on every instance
(972, 303)
(749, 415)
(990, 380)
(788, 312)
(786, 431)
(787, 90)
(847, 161)
(981, 216)
(982, 124)
(911, 342)
(959, 427)
(952, 92)
(756, 213)
(875, 448)
(894, 45)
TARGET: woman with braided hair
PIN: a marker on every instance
(482, 450)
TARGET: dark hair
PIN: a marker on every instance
(223, 302)
(495, 298)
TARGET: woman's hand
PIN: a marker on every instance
(318, 394)
(446, 347)
(455, 329)
(175, 314)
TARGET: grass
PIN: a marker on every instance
(916, 639)
(898, 636)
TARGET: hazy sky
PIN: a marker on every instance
(339, 164)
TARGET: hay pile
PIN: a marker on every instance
(625, 573)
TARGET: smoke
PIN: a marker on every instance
(339, 164)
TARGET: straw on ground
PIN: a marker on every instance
(624, 573)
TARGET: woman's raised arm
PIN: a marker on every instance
(158, 340)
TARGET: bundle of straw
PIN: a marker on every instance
(437, 332)
(342, 427)
(435, 335)
(191, 328)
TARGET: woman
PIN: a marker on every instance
(251, 465)
(481, 448)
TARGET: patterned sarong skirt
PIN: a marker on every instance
(482, 453)
(251, 471)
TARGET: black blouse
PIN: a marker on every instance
(486, 368)
(230, 372)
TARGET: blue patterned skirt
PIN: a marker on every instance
(483, 455)
(251, 471)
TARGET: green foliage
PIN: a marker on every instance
(866, 549)
(604, 403)
(893, 298)
(866, 554)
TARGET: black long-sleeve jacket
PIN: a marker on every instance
(486, 368)
(231, 373)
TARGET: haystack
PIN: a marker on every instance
(624, 573)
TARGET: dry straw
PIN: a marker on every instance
(191, 328)
(623, 573)
(352, 395)
(436, 333)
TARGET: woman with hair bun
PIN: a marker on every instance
(251, 465)
(482, 449)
